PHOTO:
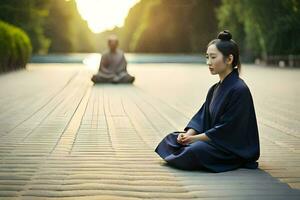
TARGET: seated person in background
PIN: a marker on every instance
(113, 65)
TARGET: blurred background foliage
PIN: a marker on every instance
(261, 28)
(52, 25)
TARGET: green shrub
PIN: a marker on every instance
(15, 47)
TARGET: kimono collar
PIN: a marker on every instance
(233, 75)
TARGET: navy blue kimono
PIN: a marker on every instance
(228, 119)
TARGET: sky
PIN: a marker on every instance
(103, 15)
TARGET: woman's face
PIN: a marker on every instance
(215, 60)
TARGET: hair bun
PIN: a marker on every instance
(225, 35)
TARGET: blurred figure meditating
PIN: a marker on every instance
(113, 65)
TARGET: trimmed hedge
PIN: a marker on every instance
(15, 47)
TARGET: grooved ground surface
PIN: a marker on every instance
(61, 137)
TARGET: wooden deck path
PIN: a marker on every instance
(61, 137)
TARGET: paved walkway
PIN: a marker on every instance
(63, 138)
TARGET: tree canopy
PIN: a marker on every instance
(52, 25)
(260, 28)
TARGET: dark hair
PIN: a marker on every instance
(226, 45)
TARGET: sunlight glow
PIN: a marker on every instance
(103, 15)
(92, 61)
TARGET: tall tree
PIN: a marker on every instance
(266, 27)
(66, 29)
(58, 26)
(170, 26)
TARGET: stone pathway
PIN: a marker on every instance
(61, 137)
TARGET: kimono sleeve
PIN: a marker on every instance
(197, 122)
(232, 129)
